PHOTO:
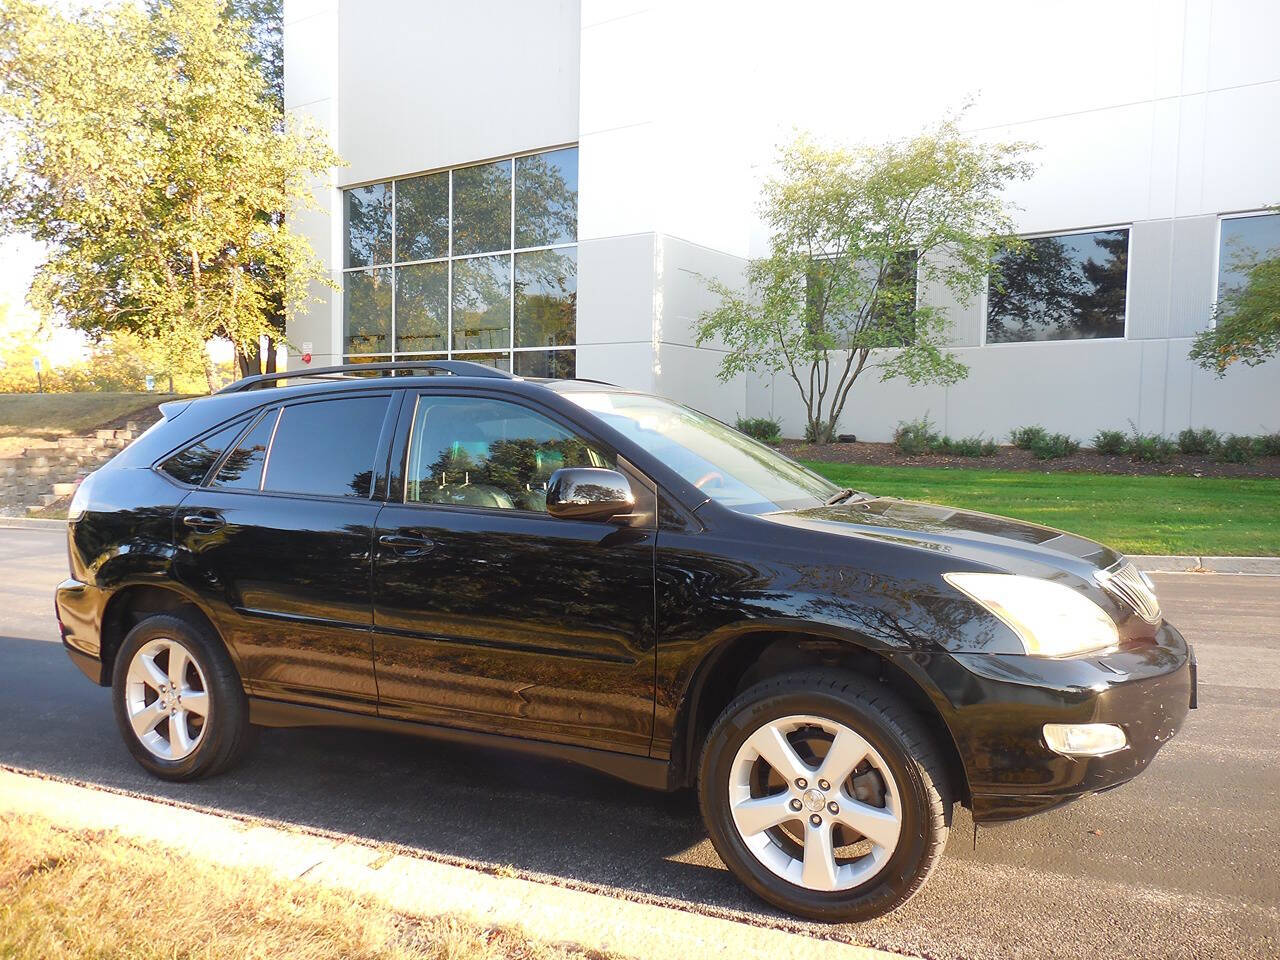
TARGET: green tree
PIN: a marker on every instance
(835, 294)
(1246, 318)
(151, 157)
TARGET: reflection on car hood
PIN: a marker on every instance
(1000, 541)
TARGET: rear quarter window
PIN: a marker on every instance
(193, 463)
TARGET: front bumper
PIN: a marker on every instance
(1006, 700)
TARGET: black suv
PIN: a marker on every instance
(602, 576)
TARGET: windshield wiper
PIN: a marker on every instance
(846, 494)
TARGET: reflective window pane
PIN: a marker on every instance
(242, 470)
(547, 198)
(482, 303)
(1245, 241)
(552, 364)
(305, 459)
(367, 216)
(191, 465)
(1069, 287)
(547, 298)
(366, 310)
(482, 208)
(422, 307)
(488, 453)
(500, 361)
(422, 218)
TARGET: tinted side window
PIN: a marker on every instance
(191, 465)
(326, 448)
(488, 453)
(242, 470)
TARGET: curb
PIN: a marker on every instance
(32, 523)
(1247, 566)
(416, 885)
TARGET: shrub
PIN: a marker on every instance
(1054, 445)
(1236, 449)
(966, 447)
(760, 428)
(1199, 441)
(1110, 442)
(1149, 447)
(1267, 445)
(915, 436)
(1025, 438)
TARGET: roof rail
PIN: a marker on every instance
(457, 368)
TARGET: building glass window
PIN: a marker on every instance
(367, 216)
(1245, 241)
(1066, 287)
(477, 263)
(422, 218)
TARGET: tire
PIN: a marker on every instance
(902, 775)
(182, 743)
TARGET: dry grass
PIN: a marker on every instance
(26, 418)
(78, 894)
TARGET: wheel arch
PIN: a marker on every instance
(739, 660)
(130, 604)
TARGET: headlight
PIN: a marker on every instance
(1050, 619)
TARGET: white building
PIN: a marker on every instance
(658, 119)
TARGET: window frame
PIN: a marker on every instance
(398, 489)
(378, 481)
(983, 342)
(261, 414)
(510, 252)
(246, 422)
(1215, 278)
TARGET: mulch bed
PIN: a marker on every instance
(1011, 458)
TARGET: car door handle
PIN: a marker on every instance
(204, 521)
(407, 546)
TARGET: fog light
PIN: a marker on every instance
(1084, 739)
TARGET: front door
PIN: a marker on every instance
(491, 614)
(277, 542)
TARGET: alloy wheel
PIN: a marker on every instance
(815, 803)
(167, 699)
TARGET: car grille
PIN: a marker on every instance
(1124, 582)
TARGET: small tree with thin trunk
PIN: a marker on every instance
(853, 235)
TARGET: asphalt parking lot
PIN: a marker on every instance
(1180, 863)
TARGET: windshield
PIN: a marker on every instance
(727, 466)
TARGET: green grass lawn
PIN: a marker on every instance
(1227, 516)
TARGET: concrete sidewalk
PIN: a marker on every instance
(417, 885)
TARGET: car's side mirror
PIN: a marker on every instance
(588, 493)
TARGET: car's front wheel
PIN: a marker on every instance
(825, 795)
(179, 702)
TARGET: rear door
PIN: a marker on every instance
(278, 543)
(493, 615)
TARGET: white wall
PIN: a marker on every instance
(425, 84)
(1155, 113)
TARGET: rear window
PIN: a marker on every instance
(326, 448)
(192, 464)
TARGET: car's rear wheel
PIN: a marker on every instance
(825, 795)
(179, 702)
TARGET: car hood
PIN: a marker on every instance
(1012, 545)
